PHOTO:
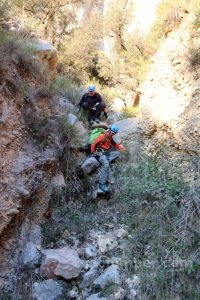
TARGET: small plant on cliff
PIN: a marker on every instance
(169, 15)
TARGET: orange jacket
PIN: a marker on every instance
(99, 142)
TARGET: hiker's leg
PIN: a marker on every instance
(104, 169)
(87, 107)
(99, 108)
(112, 155)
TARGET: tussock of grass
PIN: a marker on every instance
(161, 207)
(66, 88)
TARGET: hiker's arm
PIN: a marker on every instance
(97, 141)
(83, 99)
(100, 99)
(117, 146)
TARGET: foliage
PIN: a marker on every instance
(196, 9)
(118, 16)
(79, 51)
(194, 57)
(129, 112)
(65, 87)
(169, 15)
(161, 208)
(3, 12)
(17, 50)
(51, 19)
(39, 127)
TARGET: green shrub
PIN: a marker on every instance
(169, 15)
(160, 207)
(17, 50)
(129, 112)
(66, 88)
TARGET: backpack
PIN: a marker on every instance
(94, 134)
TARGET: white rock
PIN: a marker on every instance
(95, 297)
(120, 233)
(90, 251)
(71, 119)
(30, 241)
(118, 105)
(58, 180)
(111, 274)
(106, 243)
(47, 289)
(120, 294)
(89, 277)
(63, 262)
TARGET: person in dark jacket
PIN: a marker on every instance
(93, 103)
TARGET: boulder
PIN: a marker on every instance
(118, 105)
(58, 180)
(82, 134)
(106, 242)
(63, 262)
(89, 277)
(48, 55)
(71, 119)
(90, 251)
(30, 243)
(95, 297)
(110, 275)
(89, 165)
(47, 289)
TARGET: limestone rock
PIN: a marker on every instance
(48, 55)
(90, 251)
(95, 297)
(89, 165)
(89, 277)
(110, 275)
(127, 127)
(63, 262)
(120, 233)
(47, 289)
(58, 180)
(64, 103)
(30, 243)
(81, 133)
(71, 119)
(106, 243)
(118, 105)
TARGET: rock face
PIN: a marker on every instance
(48, 55)
(63, 262)
(47, 289)
(110, 275)
(169, 104)
(31, 246)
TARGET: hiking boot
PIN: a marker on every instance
(104, 188)
(97, 121)
(91, 120)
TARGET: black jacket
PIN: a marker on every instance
(91, 100)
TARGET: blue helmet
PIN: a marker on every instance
(91, 88)
(113, 128)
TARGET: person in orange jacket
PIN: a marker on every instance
(101, 150)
